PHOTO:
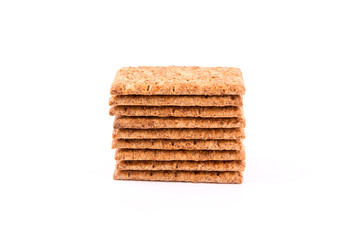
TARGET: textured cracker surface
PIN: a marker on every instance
(175, 80)
(153, 122)
(168, 155)
(180, 176)
(182, 165)
(150, 111)
(177, 144)
(202, 101)
(191, 133)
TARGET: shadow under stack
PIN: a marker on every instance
(182, 124)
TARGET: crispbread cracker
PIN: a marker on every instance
(177, 144)
(154, 122)
(169, 155)
(150, 111)
(201, 101)
(182, 165)
(180, 176)
(175, 80)
(196, 133)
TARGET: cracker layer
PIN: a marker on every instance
(180, 176)
(155, 122)
(177, 144)
(173, 80)
(166, 100)
(190, 133)
(182, 165)
(170, 155)
(150, 111)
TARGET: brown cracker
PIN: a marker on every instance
(202, 101)
(154, 122)
(169, 155)
(150, 111)
(180, 176)
(182, 165)
(195, 133)
(175, 80)
(177, 144)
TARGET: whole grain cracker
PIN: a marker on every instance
(175, 80)
(177, 144)
(182, 165)
(170, 155)
(190, 133)
(154, 122)
(151, 111)
(165, 100)
(180, 176)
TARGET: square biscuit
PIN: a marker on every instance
(177, 122)
(174, 80)
(178, 133)
(167, 100)
(177, 144)
(182, 165)
(177, 155)
(151, 111)
(180, 176)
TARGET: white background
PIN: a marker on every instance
(300, 61)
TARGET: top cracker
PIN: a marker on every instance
(174, 80)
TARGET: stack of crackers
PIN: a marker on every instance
(178, 124)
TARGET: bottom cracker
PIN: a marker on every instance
(182, 165)
(180, 176)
